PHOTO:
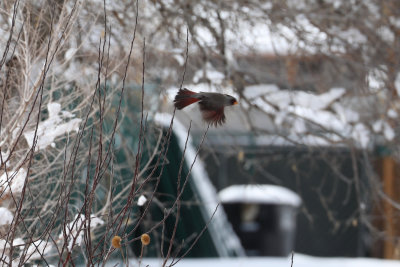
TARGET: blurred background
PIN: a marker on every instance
(91, 146)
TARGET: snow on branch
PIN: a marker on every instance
(75, 229)
(53, 127)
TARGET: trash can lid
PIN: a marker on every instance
(258, 193)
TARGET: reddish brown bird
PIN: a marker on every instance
(211, 104)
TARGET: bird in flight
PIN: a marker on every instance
(211, 104)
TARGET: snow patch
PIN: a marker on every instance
(180, 59)
(361, 134)
(316, 102)
(388, 131)
(386, 34)
(4, 156)
(377, 126)
(38, 249)
(335, 3)
(345, 114)
(262, 194)
(284, 98)
(299, 126)
(254, 91)
(13, 180)
(323, 118)
(381, 126)
(210, 74)
(53, 127)
(395, 21)
(69, 54)
(376, 80)
(392, 113)
(306, 113)
(142, 200)
(352, 36)
(74, 229)
(299, 260)
(6, 244)
(6, 216)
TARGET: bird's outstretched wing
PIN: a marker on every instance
(214, 117)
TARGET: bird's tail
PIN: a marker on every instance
(184, 98)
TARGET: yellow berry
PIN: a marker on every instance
(145, 238)
(116, 242)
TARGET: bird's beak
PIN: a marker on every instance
(235, 103)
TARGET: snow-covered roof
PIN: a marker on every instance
(261, 194)
(331, 118)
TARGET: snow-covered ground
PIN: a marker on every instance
(299, 260)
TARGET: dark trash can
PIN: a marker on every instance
(263, 217)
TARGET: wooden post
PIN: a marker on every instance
(388, 175)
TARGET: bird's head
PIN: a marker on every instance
(231, 100)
